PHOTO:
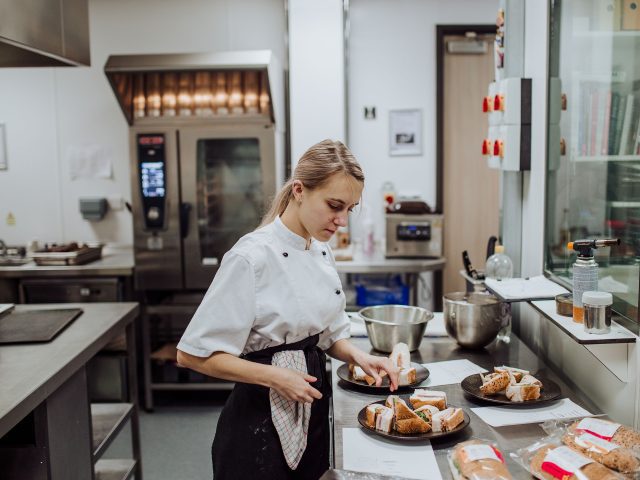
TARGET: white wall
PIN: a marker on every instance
(316, 73)
(392, 65)
(48, 110)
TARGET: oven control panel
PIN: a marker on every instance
(152, 179)
(414, 231)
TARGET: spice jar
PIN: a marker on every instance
(597, 311)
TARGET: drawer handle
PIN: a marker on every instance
(85, 292)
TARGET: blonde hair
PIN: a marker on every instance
(314, 168)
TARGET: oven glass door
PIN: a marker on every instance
(227, 181)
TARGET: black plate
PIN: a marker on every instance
(549, 392)
(422, 374)
(412, 437)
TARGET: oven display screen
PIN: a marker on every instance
(152, 179)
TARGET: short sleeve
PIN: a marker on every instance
(338, 330)
(226, 315)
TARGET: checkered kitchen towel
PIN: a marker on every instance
(290, 418)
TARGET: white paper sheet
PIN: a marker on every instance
(525, 288)
(450, 372)
(503, 416)
(89, 161)
(366, 453)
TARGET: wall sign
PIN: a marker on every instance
(405, 132)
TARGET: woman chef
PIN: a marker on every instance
(274, 307)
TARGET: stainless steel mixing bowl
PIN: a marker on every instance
(391, 324)
(473, 319)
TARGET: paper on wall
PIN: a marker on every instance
(89, 161)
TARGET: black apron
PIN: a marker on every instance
(246, 444)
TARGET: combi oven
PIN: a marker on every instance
(206, 150)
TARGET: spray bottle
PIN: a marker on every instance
(585, 271)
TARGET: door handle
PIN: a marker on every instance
(185, 210)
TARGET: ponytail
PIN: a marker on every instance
(279, 204)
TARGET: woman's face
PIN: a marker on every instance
(323, 210)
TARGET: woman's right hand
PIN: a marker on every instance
(294, 385)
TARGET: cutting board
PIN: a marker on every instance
(35, 326)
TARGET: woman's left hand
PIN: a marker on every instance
(374, 365)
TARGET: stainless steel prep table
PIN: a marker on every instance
(49, 380)
(412, 268)
(347, 403)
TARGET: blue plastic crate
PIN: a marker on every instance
(388, 292)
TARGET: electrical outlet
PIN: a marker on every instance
(116, 202)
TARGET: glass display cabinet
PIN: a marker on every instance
(593, 162)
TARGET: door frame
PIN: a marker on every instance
(441, 32)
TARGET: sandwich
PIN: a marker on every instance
(530, 379)
(521, 392)
(493, 383)
(447, 420)
(612, 455)
(590, 470)
(407, 376)
(379, 417)
(518, 373)
(408, 421)
(360, 375)
(477, 460)
(400, 356)
(427, 412)
(391, 400)
(613, 432)
(422, 397)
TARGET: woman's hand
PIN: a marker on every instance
(294, 385)
(374, 365)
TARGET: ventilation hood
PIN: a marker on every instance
(44, 33)
(234, 85)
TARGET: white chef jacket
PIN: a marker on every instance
(269, 290)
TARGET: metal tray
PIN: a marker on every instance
(82, 255)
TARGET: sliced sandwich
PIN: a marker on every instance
(391, 400)
(400, 356)
(407, 376)
(379, 417)
(447, 420)
(408, 421)
(427, 412)
(530, 380)
(494, 383)
(521, 392)
(518, 373)
(421, 397)
(360, 375)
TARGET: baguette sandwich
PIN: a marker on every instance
(494, 383)
(614, 432)
(518, 373)
(421, 397)
(447, 420)
(544, 465)
(400, 356)
(476, 460)
(621, 459)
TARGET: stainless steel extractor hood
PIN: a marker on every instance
(44, 33)
(152, 87)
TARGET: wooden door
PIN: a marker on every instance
(471, 190)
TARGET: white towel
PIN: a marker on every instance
(290, 418)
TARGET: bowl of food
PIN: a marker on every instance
(472, 319)
(388, 325)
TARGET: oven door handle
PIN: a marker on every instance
(185, 210)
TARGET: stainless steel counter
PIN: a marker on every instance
(115, 263)
(390, 265)
(347, 403)
(30, 373)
